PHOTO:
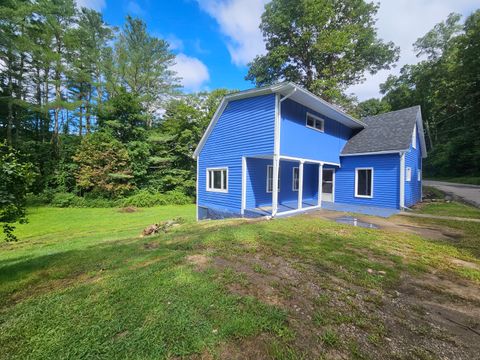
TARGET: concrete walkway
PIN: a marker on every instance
(467, 193)
(428, 216)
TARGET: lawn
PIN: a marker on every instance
(82, 283)
(474, 180)
(453, 208)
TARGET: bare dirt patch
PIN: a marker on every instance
(199, 261)
(128, 209)
(429, 316)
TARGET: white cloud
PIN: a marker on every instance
(175, 42)
(403, 22)
(238, 21)
(193, 72)
(98, 5)
(133, 8)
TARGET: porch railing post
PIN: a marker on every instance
(300, 185)
(320, 183)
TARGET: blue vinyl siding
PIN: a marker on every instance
(245, 128)
(297, 140)
(413, 188)
(386, 180)
(257, 183)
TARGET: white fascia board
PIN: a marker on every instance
(342, 117)
(377, 152)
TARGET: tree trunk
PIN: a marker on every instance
(80, 121)
(88, 110)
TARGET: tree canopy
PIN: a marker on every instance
(323, 45)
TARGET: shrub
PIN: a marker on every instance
(64, 200)
(144, 198)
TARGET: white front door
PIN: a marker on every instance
(328, 184)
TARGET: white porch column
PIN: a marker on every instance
(320, 184)
(276, 166)
(300, 185)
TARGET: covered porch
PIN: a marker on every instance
(291, 185)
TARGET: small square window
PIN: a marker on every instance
(314, 122)
(217, 180)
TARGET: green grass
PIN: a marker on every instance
(81, 283)
(450, 209)
(473, 180)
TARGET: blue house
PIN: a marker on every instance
(279, 150)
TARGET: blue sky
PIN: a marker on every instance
(215, 39)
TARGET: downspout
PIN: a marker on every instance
(402, 180)
(276, 148)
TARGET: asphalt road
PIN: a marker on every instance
(469, 193)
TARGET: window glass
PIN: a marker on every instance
(314, 122)
(295, 178)
(364, 182)
(217, 180)
(270, 178)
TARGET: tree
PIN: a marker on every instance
(447, 87)
(103, 166)
(15, 178)
(325, 45)
(173, 143)
(142, 65)
(372, 107)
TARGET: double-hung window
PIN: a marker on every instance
(314, 122)
(364, 182)
(270, 178)
(217, 179)
(408, 174)
(295, 178)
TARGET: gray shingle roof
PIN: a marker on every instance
(385, 132)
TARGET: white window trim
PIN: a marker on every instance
(293, 178)
(316, 118)
(408, 174)
(270, 191)
(419, 174)
(222, 178)
(356, 183)
(414, 137)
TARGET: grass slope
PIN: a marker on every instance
(82, 284)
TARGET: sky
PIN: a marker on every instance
(214, 40)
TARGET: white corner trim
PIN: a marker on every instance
(244, 185)
(402, 180)
(356, 183)
(196, 194)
